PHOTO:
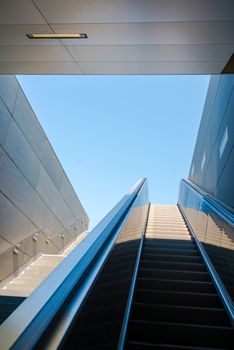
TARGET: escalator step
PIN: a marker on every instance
(178, 298)
(181, 334)
(176, 285)
(180, 314)
(175, 251)
(171, 258)
(169, 265)
(175, 275)
(133, 345)
(170, 244)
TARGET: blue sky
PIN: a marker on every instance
(109, 131)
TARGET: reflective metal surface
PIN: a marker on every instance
(222, 291)
(35, 193)
(214, 227)
(64, 291)
(212, 167)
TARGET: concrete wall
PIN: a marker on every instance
(38, 206)
(212, 166)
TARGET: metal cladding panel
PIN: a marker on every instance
(14, 226)
(158, 37)
(28, 123)
(5, 120)
(8, 90)
(224, 189)
(33, 195)
(20, 151)
(215, 142)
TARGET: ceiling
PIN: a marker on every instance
(124, 36)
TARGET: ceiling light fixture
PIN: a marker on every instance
(57, 36)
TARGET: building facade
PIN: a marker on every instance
(39, 209)
(210, 183)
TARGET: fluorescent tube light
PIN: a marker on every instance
(57, 36)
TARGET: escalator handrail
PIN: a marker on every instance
(125, 323)
(24, 328)
(215, 207)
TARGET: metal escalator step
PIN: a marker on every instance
(161, 235)
(167, 231)
(175, 275)
(181, 334)
(133, 345)
(176, 285)
(178, 298)
(171, 257)
(180, 314)
(156, 243)
(167, 265)
(176, 251)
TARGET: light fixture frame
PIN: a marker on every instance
(57, 36)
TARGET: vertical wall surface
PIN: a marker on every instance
(212, 166)
(212, 170)
(39, 210)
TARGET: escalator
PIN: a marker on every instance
(140, 280)
(175, 303)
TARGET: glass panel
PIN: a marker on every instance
(216, 235)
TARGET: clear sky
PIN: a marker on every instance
(109, 131)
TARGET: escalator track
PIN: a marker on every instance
(175, 305)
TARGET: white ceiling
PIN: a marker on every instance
(124, 36)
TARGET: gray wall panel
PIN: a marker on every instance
(47, 189)
(8, 90)
(35, 193)
(71, 198)
(14, 226)
(63, 213)
(15, 186)
(5, 120)
(22, 154)
(207, 114)
(52, 165)
(27, 121)
(217, 120)
(226, 127)
(224, 189)
(4, 244)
